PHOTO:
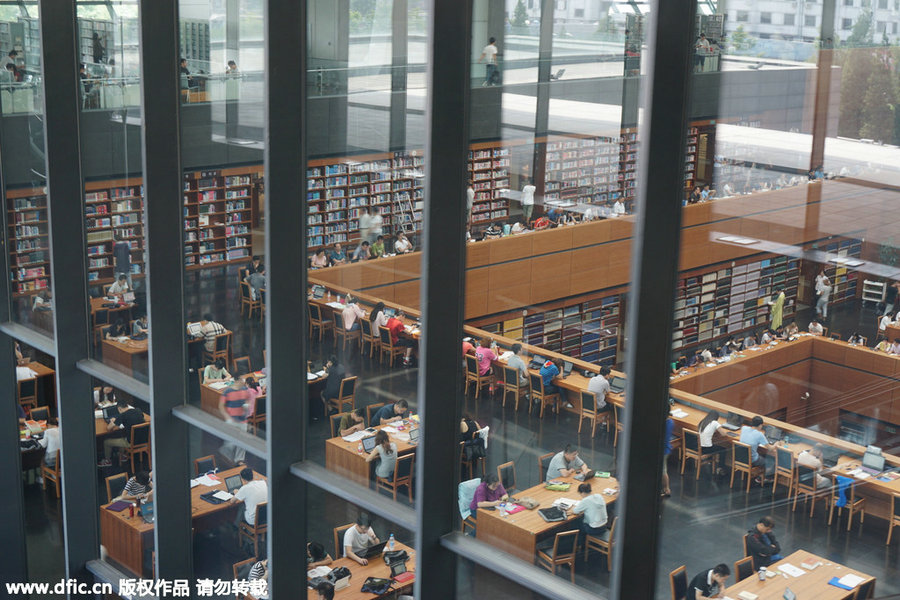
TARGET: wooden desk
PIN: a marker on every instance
(520, 533)
(892, 332)
(100, 427)
(97, 304)
(45, 384)
(812, 584)
(210, 396)
(342, 457)
(128, 539)
(375, 568)
(124, 354)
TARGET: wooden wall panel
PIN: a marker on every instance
(477, 281)
(511, 297)
(595, 232)
(478, 254)
(476, 304)
(587, 281)
(552, 240)
(407, 266)
(407, 294)
(515, 248)
(509, 274)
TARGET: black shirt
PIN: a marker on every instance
(333, 383)
(700, 586)
(128, 419)
(122, 256)
(891, 295)
(760, 550)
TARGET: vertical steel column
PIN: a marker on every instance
(542, 104)
(443, 262)
(161, 137)
(654, 266)
(288, 401)
(68, 257)
(399, 73)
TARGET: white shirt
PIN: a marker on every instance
(808, 459)
(50, 441)
(528, 195)
(599, 386)
(820, 283)
(358, 541)
(706, 355)
(402, 246)
(375, 225)
(618, 208)
(470, 198)
(117, 288)
(706, 436)
(490, 53)
(251, 494)
(885, 321)
(816, 328)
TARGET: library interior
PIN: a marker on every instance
(595, 299)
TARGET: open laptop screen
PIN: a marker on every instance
(233, 483)
(873, 461)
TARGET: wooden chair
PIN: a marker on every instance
(806, 485)
(247, 300)
(741, 463)
(367, 337)
(115, 484)
(678, 583)
(140, 444)
(316, 321)
(241, 572)
(346, 395)
(511, 384)
(785, 469)
(854, 505)
(824, 332)
(506, 473)
(253, 533)
(692, 450)
(335, 422)
(371, 409)
(746, 546)
(620, 425)
(562, 553)
(258, 417)
(342, 334)
(101, 320)
(53, 474)
(262, 305)
(27, 392)
(222, 349)
(743, 569)
(474, 377)
(387, 346)
(536, 386)
(403, 474)
(40, 413)
(865, 590)
(544, 464)
(338, 536)
(589, 412)
(895, 517)
(603, 543)
(835, 336)
(241, 365)
(204, 465)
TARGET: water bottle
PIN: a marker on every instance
(391, 543)
(359, 448)
(762, 573)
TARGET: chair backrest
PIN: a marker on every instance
(740, 454)
(348, 387)
(564, 544)
(471, 365)
(806, 477)
(140, 435)
(371, 410)
(222, 341)
(101, 317)
(404, 468)
(536, 384)
(784, 459)
(114, 485)
(204, 464)
(259, 408)
(245, 291)
(314, 312)
(366, 326)
(612, 531)
(241, 570)
(746, 546)
(895, 506)
(338, 321)
(28, 388)
(338, 535)
(506, 473)
(385, 334)
(336, 423)
(544, 464)
(262, 514)
(510, 377)
(588, 402)
(678, 582)
(743, 568)
(835, 336)
(40, 413)
(691, 440)
(242, 362)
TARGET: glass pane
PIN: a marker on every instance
(775, 382)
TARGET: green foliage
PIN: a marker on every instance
(887, 253)
(878, 105)
(858, 65)
(861, 34)
(519, 15)
(742, 40)
(370, 16)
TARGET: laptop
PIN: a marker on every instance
(733, 421)
(318, 292)
(414, 436)
(128, 297)
(617, 385)
(872, 463)
(586, 476)
(233, 483)
(147, 512)
(789, 595)
(342, 583)
(390, 312)
(193, 329)
(110, 413)
(567, 369)
(830, 456)
(552, 514)
(372, 551)
(537, 361)
(399, 572)
(773, 434)
(368, 443)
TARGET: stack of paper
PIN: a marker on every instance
(224, 496)
(850, 580)
(219, 385)
(208, 480)
(356, 436)
(678, 413)
(791, 570)
(564, 503)
(318, 572)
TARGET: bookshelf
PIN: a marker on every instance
(29, 243)
(582, 169)
(113, 208)
(846, 282)
(488, 166)
(218, 209)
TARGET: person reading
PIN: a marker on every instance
(566, 464)
(390, 413)
(359, 537)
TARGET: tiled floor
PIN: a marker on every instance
(702, 523)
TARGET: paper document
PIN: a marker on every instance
(791, 570)
(678, 413)
(356, 436)
(310, 376)
(390, 429)
(219, 385)
(322, 571)
(320, 373)
(336, 305)
(564, 503)
(401, 436)
(222, 495)
(208, 481)
(98, 414)
(194, 483)
(851, 580)
(610, 491)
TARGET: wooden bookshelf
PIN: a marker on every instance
(29, 243)
(488, 166)
(218, 207)
(113, 208)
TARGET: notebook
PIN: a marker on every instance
(118, 506)
(552, 514)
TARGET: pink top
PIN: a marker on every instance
(484, 356)
(319, 263)
(351, 313)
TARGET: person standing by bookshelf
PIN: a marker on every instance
(776, 308)
(528, 200)
(122, 258)
(823, 291)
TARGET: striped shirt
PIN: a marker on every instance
(257, 571)
(236, 402)
(133, 488)
(209, 331)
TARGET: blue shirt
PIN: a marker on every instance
(753, 438)
(667, 441)
(385, 412)
(548, 373)
(334, 255)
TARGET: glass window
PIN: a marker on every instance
(742, 16)
(765, 17)
(809, 20)
(789, 18)
(846, 24)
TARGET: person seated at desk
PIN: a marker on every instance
(882, 345)
(216, 372)
(761, 543)
(895, 347)
(251, 493)
(767, 336)
(209, 329)
(137, 488)
(706, 355)
(119, 287)
(566, 464)
(518, 363)
(749, 342)
(377, 249)
(318, 260)
(707, 429)
(359, 537)
(21, 359)
(140, 326)
(791, 330)
(255, 390)
(325, 590)
(352, 422)
(351, 315)
(753, 436)
(104, 396)
(127, 418)
(489, 493)
(361, 252)
(50, 441)
(260, 570)
(696, 359)
(816, 328)
(594, 508)
(402, 245)
(43, 300)
(855, 339)
(337, 255)
(468, 428)
(618, 208)
(396, 326)
(386, 451)
(467, 348)
(485, 356)
(709, 583)
(812, 458)
(390, 413)
(378, 319)
(548, 371)
(21, 413)
(117, 330)
(257, 282)
(316, 556)
(884, 322)
(335, 374)
(599, 386)
(251, 267)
